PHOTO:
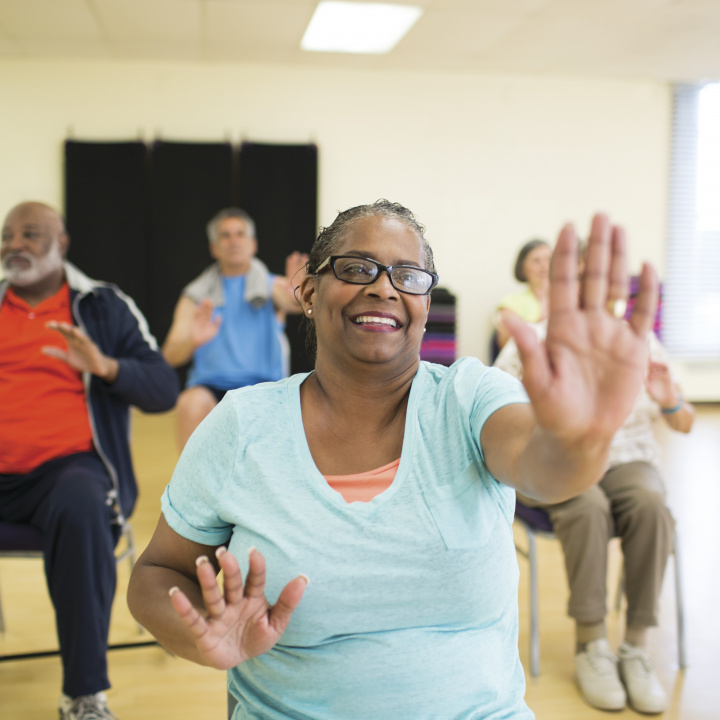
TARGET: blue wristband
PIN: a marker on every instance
(670, 411)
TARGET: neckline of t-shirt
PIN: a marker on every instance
(316, 479)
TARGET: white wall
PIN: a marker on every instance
(485, 161)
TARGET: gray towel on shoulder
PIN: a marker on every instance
(257, 284)
(209, 285)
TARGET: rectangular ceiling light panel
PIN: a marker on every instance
(354, 27)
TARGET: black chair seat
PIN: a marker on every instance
(536, 518)
(15, 537)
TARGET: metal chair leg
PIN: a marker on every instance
(534, 609)
(531, 556)
(2, 618)
(130, 554)
(679, 606)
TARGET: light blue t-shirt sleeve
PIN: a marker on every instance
(483, 390)
(497, 390)
(190, 501)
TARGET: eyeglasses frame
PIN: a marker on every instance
(330, 262)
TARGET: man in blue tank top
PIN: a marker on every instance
(229, 321)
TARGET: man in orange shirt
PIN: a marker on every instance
(75, 354)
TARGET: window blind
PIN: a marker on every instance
(691, 301)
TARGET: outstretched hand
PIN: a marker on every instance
(295, 265)
(204, 327)
(240, 623)
(660, 385)
(82, 353)
(583, 379)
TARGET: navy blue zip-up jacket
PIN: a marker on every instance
(114, 323)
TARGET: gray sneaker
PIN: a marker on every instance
(644, 690)
(85, 707)
(597, 677)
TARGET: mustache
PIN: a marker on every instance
(17, 254)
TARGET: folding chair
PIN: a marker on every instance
(536, 522)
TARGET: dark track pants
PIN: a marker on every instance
(68, 500)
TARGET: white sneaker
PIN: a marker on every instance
(85, 707)
(596, 674)
(644, 690)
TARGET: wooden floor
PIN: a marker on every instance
(149, 684)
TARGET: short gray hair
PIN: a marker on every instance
(231, 212)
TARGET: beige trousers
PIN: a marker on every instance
(628, 502)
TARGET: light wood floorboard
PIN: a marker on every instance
(148, 683)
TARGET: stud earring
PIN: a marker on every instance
(309, 311)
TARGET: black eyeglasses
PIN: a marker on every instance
(363, 271)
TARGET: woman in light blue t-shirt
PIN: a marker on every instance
(403, 605)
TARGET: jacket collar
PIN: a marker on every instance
(78, 280)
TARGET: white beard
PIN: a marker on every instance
(39, 267)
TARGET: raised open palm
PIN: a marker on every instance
(204, 327)
(240, 623)
(584, 378)
(81, 353)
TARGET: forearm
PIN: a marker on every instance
(108, 370)
(682, 419)
(283, 296)
(148, 598)
(147, 382)
(178, 352)
(551, 471)
(181, 340)
(544, 466)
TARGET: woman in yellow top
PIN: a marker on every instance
(532, 266)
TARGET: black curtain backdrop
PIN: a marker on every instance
(137, 214)
(106, 211)
(189, 183)
(278, 187)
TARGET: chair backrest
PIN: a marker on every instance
(493, 347)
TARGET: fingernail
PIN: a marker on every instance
(305, 578)
(201, 560)
(173, 590)
(220, 551)
(252, 550)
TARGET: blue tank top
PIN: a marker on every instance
(249, 348)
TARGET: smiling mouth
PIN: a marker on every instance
(375, 320)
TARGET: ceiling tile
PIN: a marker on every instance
(456, 34)
(255, 30)
(154, 50)
(161, 20)
(656, 39)
(36, 19)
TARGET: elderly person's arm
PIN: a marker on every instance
(124, 356)
(676, 411)
(193, 325)
(283, 290)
